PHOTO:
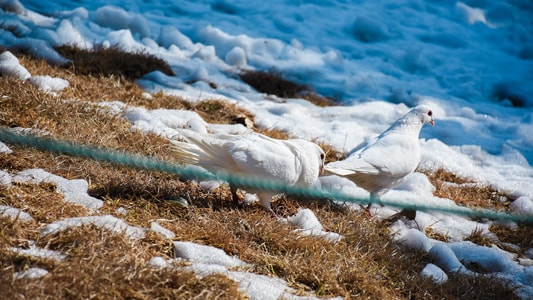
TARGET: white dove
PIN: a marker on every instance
(384, 161)
(294, 162)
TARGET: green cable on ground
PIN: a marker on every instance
(143, 162)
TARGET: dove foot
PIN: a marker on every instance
(366, 210)
(273, 214)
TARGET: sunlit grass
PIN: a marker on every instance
(366, 263)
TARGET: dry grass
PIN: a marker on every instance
(102, 265)
(274, 84)
(466, 192)
(521, 236)
(113, 61)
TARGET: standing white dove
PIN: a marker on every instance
(383, 162)
(295, 162)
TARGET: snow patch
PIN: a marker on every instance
(104, 222)
(309, 225)
(74, 191)
(15, 213)
(31, 273)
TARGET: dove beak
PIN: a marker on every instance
(432, 122)
(322, 170)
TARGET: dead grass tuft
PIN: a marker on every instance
(521, 236)
(218, 111)
(466, 192)
(469, 287)
(274, 84)
(432, 234)
(112, 61)
(478, 237)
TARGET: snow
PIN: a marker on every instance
(206, 255)
(105, 222)
(5, 178)
(308, 224)
(10, 66)
(14, 213)
(207, 260)
(33, 251)
(456, 257)
(435, 273)
(162, 231)
(48, 83)
(523, 205)
(471, 61)
(415, 239)
(74, 191)
(444, 257)
(31, 273)
(4, 148)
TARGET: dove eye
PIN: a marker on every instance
(430, 113)
(322, 156)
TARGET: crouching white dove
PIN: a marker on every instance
(383, 162)
(294, 162)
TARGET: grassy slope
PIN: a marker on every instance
(366, 263)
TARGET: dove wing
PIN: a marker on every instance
(392, 155)
(264, 157)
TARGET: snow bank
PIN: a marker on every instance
(10, 67)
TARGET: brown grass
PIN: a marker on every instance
(466, 192)
(274, 84)
(521, 236)
(113, 61)
(366, 263)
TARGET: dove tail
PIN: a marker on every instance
(202, 153)
(186, 153)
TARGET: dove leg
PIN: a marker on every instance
(234, 195)
(374, 198)
(264, 198)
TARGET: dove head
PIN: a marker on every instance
(322, 157)
(196, 125)
(425, 114)
(416, 118)
(413, 120)
(312, 161)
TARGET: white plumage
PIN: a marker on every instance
(294, 162)
(196, 125)
(384, 161)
